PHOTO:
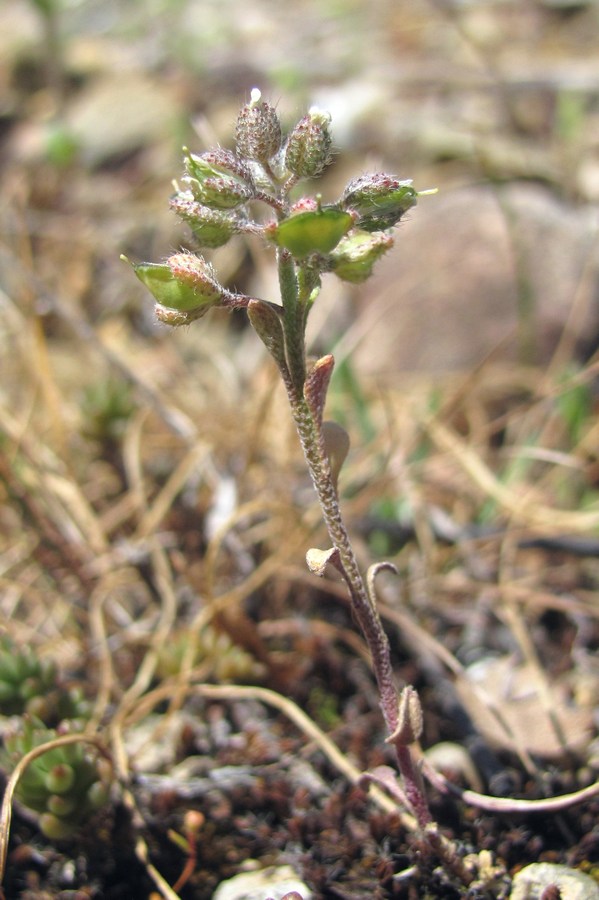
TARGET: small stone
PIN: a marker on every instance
(272, 883)
(531, 882)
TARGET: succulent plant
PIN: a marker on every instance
(32, 685)
(106, 407)
(225, 659)
(64, 786)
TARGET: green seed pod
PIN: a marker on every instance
(213, 184)
(308, 149)
(379, 201)
(184, 283)
(354, 257)
(317, 231)
(211, 227)
(258, 130)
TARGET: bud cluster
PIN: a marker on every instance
(219, 188)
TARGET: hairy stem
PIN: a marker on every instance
(365, 611)
(311, 437)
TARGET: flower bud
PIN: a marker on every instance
(378, 200)
(193, 821)
(354, 257)
(214, 180)
(185, 283)
(314, 231)
(308, 149)
(211, 227)
(258, 130)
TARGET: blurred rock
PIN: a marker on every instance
(273, 883)
(531, 883)
(448, 294)
(122, 113)
(497, 689)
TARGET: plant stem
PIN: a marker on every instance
(312, 440)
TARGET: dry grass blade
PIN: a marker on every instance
(523, 508)
(46, 477)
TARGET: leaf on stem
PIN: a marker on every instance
(267, 325)
(409, 719)
(371, 575)
(336, 445)
(317, 384)
(318, 560)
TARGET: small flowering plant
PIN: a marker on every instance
(218, 196)
(219, 188)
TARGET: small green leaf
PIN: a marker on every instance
(59, 779)
(267, 325)
(55, 828)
